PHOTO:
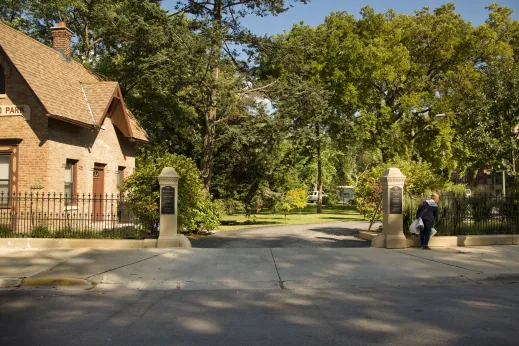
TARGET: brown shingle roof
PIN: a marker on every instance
(138, 131)
(66, 89)
(98, 96)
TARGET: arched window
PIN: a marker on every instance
(2, 80)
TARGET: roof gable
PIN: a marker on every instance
(106, 99)
(66, 89)
(55, 81)
(98, 96)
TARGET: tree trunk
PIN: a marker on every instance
(207, 164)
(514, 160)
(319, 172)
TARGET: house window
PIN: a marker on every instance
(70, 181)
(5, 179)
(2, 80)
(120, 176)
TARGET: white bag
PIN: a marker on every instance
(433, 231)
(416, 226)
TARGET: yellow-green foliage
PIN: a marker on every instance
(195, 211)
(293, 199)
(420, 180)
(297, 198)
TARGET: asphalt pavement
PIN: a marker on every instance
(322, 235)
(467, 314)
(302, 294)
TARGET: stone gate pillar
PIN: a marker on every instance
(392, 236)
(168, 208)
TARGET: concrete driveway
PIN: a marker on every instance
(321, 235)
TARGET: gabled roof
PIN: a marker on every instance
(138, 131)
(98, 96)
(66, 89)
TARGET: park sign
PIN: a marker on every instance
(167, 205)
(395, 200)
(15, 110)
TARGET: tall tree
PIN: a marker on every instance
(486, 100)
(17, 14)
(157, 59)
(302, 94)
(220, 20)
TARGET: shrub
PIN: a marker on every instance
(331, 200)
(40, 232)
(510, 207)
(297, 198)
(228, 206)
(128, 232)
(268, 199)
(481, 207)
(195, 211)
(292, 199)
(5, 232)
(457, 190)
(420, 180)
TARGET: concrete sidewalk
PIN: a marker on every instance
(264, 268)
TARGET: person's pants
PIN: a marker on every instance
(425, 233)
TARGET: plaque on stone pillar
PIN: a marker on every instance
(395, 200)
(168, 200)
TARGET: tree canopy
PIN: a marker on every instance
(314, 106)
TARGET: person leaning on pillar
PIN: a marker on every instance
(428, 211)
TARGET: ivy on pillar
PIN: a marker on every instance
(392, 236)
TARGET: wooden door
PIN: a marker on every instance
(98, 192)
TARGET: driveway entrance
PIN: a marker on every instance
(327, 235)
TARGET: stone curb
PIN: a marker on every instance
(10, 282)
(46, 283)
(455, 241)
(179, 241)
(63, 243)
(367, 235)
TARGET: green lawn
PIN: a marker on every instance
(305, 216)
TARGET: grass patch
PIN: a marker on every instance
(306, 215)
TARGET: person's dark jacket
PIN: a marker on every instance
(428, 210)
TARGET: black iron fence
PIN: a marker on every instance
(52, 215)
(479, 214)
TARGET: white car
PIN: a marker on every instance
(314, 196)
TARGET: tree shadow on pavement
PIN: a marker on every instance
(326, 237)
(345, 243)
(469, 315)
(336, 231)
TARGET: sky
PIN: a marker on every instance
(315, 12)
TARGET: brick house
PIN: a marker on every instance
(62, 128)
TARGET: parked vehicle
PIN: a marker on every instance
(314, 196)
(346, 194)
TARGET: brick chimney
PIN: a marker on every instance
(61, 37)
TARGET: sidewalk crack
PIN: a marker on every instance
(281, 282)
(440, 262)
(129, 264)
(80, 252)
